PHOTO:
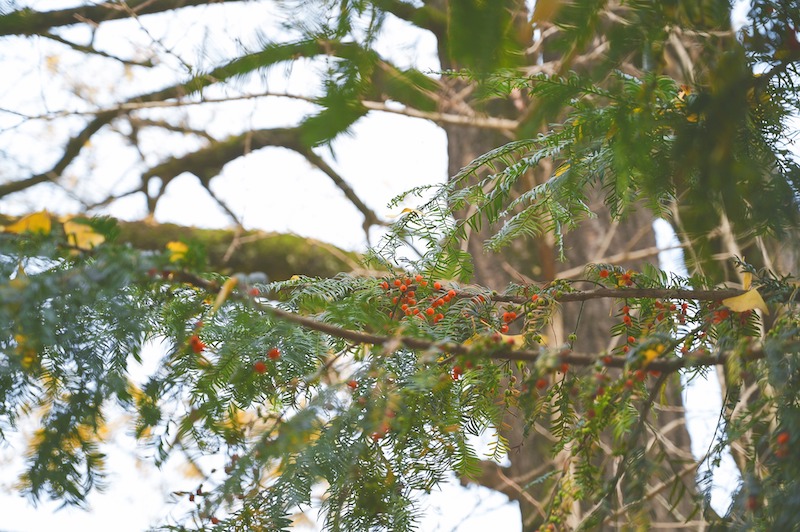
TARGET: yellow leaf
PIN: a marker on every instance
(81, 235)
(747, 280)
(37, 222)
(748, 301)
(177, 250)
(406, 211)
(224, 292)
(652, 353)
(561, 169)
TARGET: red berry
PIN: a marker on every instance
(437, 285)
(457, 372)
(629, 384)
(534, 297)
(418, 278)
(626, 309)
(603, 273)
(214, 521)
(439, 317)
(274, 353)
(504, 328)
(627, 320)
(783, 438)
(631, 339)
(254, 292)
(196, 344)
(260, 367)
(607, 360)
(639, 375)
(564, 367)
(352, 384)
(429, 311)
(541, 383)
(451, 293)
(385, 285)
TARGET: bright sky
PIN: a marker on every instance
(273, 190)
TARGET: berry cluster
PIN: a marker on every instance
(404, 297)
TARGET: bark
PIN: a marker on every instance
(531, 455)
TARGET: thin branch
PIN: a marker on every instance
(93, 51)
(485, 122)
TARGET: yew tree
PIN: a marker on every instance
(516, 300)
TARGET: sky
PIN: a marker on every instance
(272, 190)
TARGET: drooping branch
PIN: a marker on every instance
(207, 163)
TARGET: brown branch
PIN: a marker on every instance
(498, 351)
(208, 162)
(30, 22)
(624, 293)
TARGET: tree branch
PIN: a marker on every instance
(30, 22)
(207, 162)
(499, 351)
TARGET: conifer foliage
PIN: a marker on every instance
(370, 387)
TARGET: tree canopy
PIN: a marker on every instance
(369, 383)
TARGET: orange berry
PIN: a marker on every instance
(439, 317)
(254, 291)
(564, 367)
(626, 309)
(274, 353)
(260, 367)
(627, 320)
(398, 282)
(407, 281)
(418, 278)
(603, 273)
(352, 384)
(534, 297)
(631, 339)
(783, 438)
(504, 328)
(403, 288)
(457, 372)
(429, 311)
(451, 293)
(214, 521)
(385, 285)
(437, 285)
(196, 344)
